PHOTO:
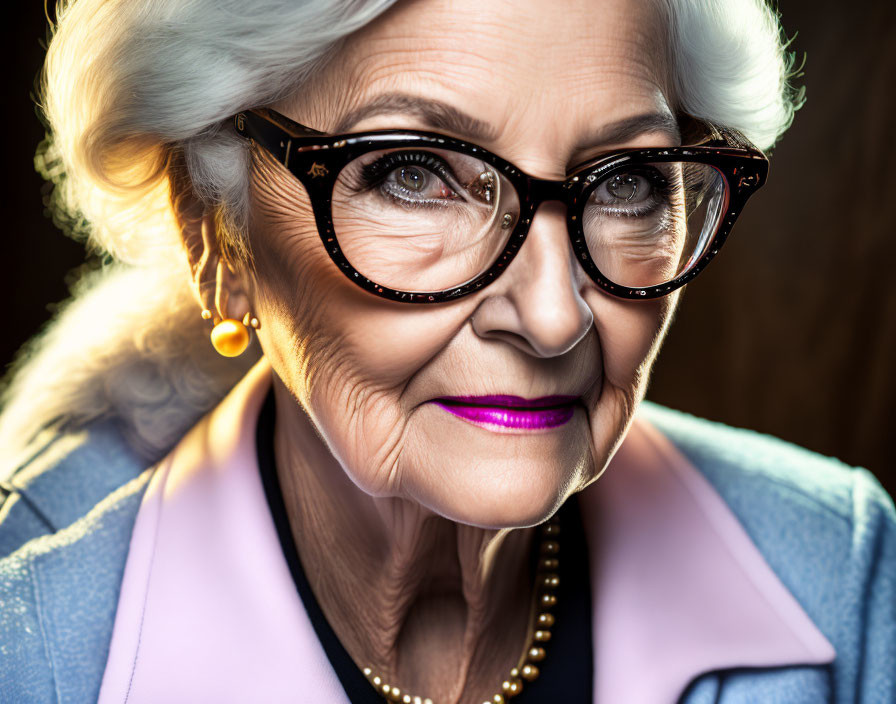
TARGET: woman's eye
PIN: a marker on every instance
(630, 188)
(414, 180)
(631, 193)
(411, 178)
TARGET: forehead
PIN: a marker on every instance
(530, 69)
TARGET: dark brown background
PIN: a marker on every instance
(791, 331)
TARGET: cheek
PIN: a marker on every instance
(288, 294)
(630, 334)
(345, 355)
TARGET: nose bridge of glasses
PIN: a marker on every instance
(542, 190)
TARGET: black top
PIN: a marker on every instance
(566, 672)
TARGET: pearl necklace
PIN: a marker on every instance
(546, 581)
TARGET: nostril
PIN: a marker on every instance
(541, 330)
(511, 338)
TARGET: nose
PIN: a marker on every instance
(537, 304)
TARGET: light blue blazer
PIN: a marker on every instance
(828, 531)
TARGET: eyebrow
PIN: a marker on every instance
(435, 113)
(442, 116)
(628, 128)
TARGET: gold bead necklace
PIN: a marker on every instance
(544, 599)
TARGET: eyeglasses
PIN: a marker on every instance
(421, 217)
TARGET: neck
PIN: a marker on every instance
(437, 608)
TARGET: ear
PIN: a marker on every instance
(216, 285)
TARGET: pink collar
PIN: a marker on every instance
(208, 610)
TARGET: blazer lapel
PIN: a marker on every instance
(678, 587)
(208, 609)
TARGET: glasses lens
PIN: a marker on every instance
(648, 224)
(421, 219)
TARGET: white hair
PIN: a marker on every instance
(729, 65)
(129, 88)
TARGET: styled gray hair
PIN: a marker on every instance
(130, 87)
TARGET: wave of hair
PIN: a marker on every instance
(729, 64)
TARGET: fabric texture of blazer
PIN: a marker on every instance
(827, 531)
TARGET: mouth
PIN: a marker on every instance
(511, 411)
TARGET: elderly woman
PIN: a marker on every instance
(438, 246)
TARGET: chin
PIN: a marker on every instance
(498, 492)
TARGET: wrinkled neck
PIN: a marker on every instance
(439, 608)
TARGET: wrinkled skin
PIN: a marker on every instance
(414, 525)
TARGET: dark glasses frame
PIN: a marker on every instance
(316, 158)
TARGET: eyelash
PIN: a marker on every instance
(373, 175)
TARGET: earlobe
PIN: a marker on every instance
(216, 286)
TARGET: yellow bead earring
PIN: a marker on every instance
(230, 337)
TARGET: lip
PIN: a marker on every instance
(511, 411)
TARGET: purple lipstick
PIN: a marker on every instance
(511, 411)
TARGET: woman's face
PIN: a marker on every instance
(543, 85)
